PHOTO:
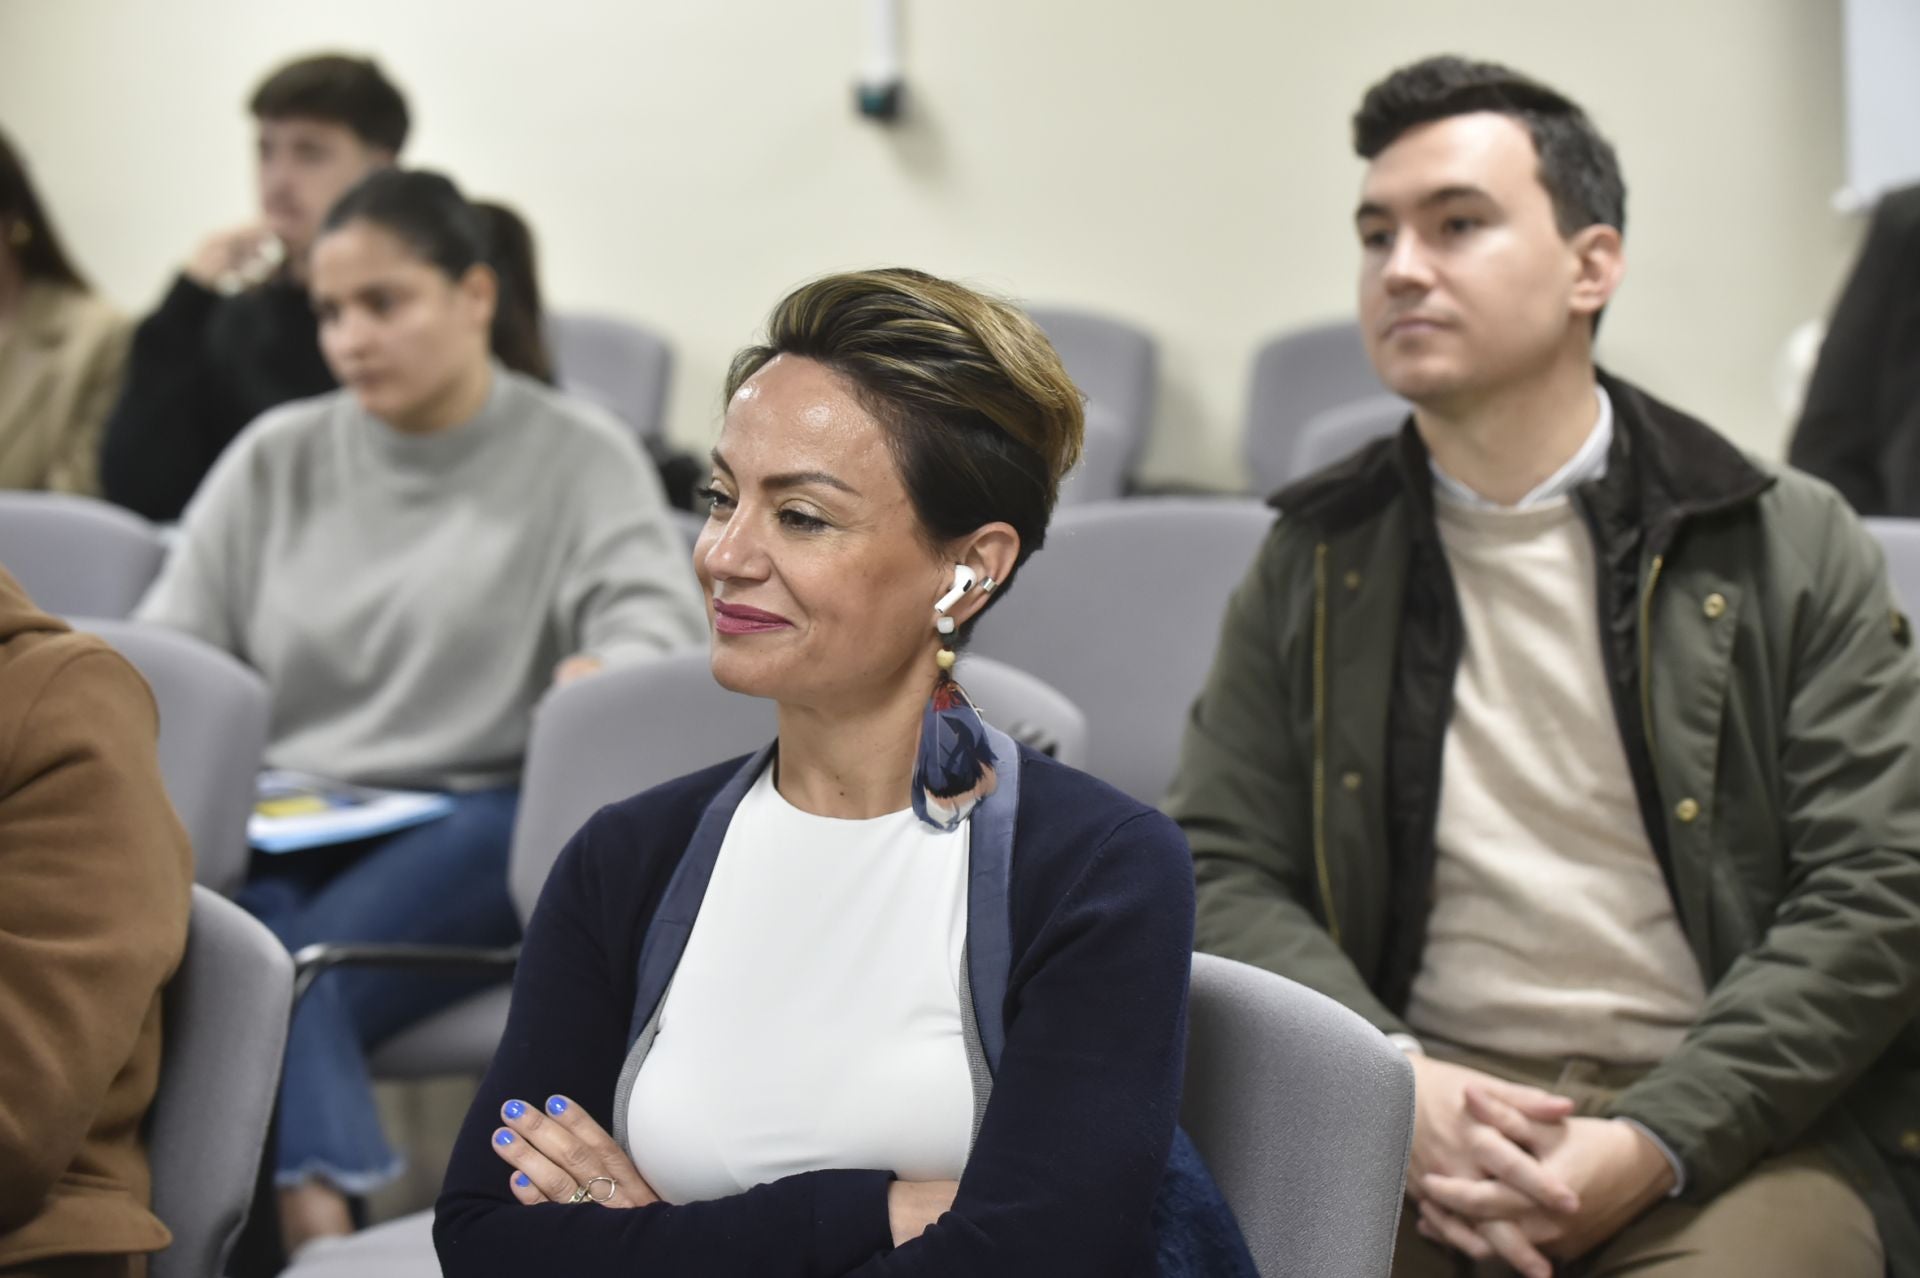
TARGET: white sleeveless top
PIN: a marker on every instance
(814, 1019)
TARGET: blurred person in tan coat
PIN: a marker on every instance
(63, 350)
(95, 883)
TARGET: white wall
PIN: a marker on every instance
(1185, 165)
(1881, 39)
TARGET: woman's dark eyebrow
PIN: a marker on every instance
(802, 478)
(791, 479)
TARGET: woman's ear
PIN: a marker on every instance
(991, 551)
(479, 291)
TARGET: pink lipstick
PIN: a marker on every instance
(738, 619)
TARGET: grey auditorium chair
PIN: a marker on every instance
(226, 1013)
(1335, 434)
(1120, 611)
(213, 732)
(1114, 363)
(1297, 375)
(596, 742)
(77, 557)
(622, 366)
(1105, 458)
(400, 1248)
(1900, 539)
(1304, 1114)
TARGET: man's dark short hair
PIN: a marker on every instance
(339, 90)
(1578, 167)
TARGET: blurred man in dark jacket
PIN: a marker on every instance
(1860, 427)
(236, 334)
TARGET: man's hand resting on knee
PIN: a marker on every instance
(1453, 1144)
(1450, 1140)
(1611, 1169)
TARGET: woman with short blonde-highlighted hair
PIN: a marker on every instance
(893, 995)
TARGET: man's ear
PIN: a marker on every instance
(1600, 263)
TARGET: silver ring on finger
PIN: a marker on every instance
(586, 1193)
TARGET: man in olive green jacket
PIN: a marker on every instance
(1656, 952)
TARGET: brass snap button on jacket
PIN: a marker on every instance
(1686, 810)
(1715, 605)
(1351, 780)
(1910, 1142)
(1353, 579)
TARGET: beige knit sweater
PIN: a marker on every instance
(1552, 933)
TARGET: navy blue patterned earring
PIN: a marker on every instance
(953, 768)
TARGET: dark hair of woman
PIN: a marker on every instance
(427, 213)
(25, 229)
(511, 253)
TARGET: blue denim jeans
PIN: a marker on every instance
(442, 883)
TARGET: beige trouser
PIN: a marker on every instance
(1790, 1217)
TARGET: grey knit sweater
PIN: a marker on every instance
(407, 597)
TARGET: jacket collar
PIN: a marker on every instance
(1665, 466)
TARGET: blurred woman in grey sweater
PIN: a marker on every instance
(410, 562)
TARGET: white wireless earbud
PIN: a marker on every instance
(962, 582)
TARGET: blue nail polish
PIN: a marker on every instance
(556, 1105)
(521, 1180)
(503, 1138)
(514, 1109)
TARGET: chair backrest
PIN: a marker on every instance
(603, 739)
(1105, 458)
(1025, 707)
(1331, 436)
(1296, 376)
(622, 366)
(213, 732)
(1900, 539)
(1115, 364)
(1304, 1114)
(226, 1014)
(1120, 611)
(77, 557)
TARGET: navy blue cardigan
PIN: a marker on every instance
(1094, 953)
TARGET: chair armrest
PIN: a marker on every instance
(313, 960)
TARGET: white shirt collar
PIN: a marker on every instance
(1587, 463)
